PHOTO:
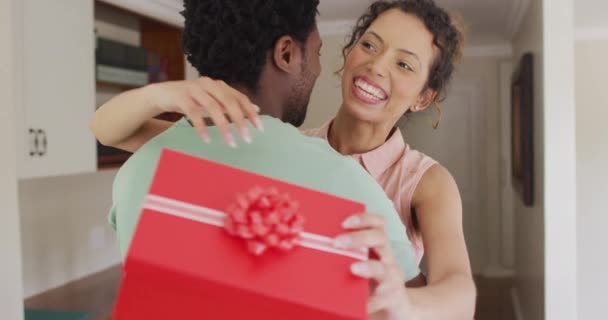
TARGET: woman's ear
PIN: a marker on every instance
(287, 55)
(424, 100)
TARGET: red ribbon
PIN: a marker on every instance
(264, 218)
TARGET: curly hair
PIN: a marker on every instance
(447, 36)
(229, 40)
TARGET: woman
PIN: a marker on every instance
(398, 61)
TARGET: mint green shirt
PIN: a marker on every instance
(280, 152)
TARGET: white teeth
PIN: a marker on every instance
(370, 91)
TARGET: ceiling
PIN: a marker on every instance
(485, 19)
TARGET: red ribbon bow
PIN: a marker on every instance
(265, 219)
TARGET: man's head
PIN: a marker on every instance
(266, 48)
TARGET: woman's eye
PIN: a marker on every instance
(405, 66)
(367, 45)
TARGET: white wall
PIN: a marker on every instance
(11, 303)
(546, 233)
(560, 160)
(65, 234)
(592, 176)
(530, 222)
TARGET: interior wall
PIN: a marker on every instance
(545, 244)
(530, 221)
(560, 161)
(592, 176)
(11, 303)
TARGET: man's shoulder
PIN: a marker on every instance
(142, 163)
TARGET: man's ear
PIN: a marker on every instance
(287, 55)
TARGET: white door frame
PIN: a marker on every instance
(507, 195)
(11, 286)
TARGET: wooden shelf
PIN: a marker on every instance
(155, 36)
(109, 85)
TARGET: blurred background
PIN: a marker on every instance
(533, 258)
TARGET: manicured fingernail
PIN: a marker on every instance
(258, 124)
(245, 134)
(351, 222)
(342, 241)
(229, 138)
(360, 269)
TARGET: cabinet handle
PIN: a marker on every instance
(33, 142)
(44, 143)
(42, 133)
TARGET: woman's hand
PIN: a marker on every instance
(205, 97)
(388, 299)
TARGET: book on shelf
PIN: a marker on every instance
(121, 63)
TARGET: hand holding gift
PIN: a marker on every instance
(388, 296)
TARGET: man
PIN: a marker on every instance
(268, 50)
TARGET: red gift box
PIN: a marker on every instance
(184, 264)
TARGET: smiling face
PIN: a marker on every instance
(386, 70)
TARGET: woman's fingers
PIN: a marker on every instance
(364, 220)
(387, 279)
(209, 106)
(192, 110)
(372, 269)
(370, 238)
(220, 102)
(383, 302)
(389, 289)
(234, 104)
(370, 234)
(247, 108)
(223, 125)
(238, 118)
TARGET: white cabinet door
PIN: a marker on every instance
(57, 87)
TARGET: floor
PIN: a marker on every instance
(494, 299)
(96, 294)
(93, 294)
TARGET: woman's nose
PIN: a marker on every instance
(378, 66)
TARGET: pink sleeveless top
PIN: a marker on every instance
(398, 169)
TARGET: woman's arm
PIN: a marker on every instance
(450, 293)
(127, 121)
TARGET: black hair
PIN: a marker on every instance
(230, 40)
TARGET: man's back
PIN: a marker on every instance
(280, 152)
